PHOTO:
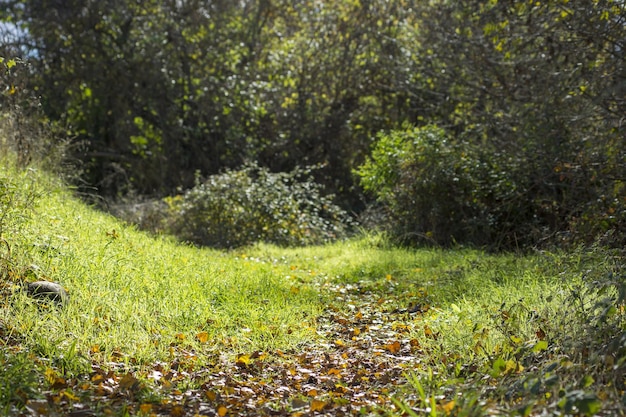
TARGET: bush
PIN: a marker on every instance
(443, 191)
(241, 207)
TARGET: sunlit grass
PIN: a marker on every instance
(138, 295)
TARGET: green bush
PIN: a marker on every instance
(240, 207)
(440, 189)
(445, 191)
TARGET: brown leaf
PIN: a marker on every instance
(177, 411)
(393, 347)
(129, 382)
(317, 405)
(541, 335)
(222, 410)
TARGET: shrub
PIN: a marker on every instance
(240, 207)
(445, 191)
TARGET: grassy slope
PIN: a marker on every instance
(137, 294)
(488, 325)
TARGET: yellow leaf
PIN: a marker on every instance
(393, 347)
(210, 395)
(243, 360)
(340, 343)
(317, 405)
(50, 375)
(11, 63)
(448, 407)
(180, 336)
(512, 366)
(70, 396)
(145, 408)
(222, 410)
(202, 337)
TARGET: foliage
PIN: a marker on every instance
(253, 204)
(441, 190)
(522, 108)
(194, 86)
(532, 92)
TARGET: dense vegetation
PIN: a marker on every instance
(526, 98)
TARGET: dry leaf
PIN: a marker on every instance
(129, 382)
(317, 405)
(393, 347)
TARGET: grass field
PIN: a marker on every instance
(155, 327)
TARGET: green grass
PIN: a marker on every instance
(495, 333)
(138, 294)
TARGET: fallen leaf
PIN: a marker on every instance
(178, 411)
(129, 382)
(202, 337)
(243, 360)
(210, 395)
(393, 347)
(222, 410)
(317, 405)
(541, 335)
(448, 407)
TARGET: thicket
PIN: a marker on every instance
(252, 204)
(529, 96)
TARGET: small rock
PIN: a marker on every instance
(46, 290)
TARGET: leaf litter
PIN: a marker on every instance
(357, 364)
